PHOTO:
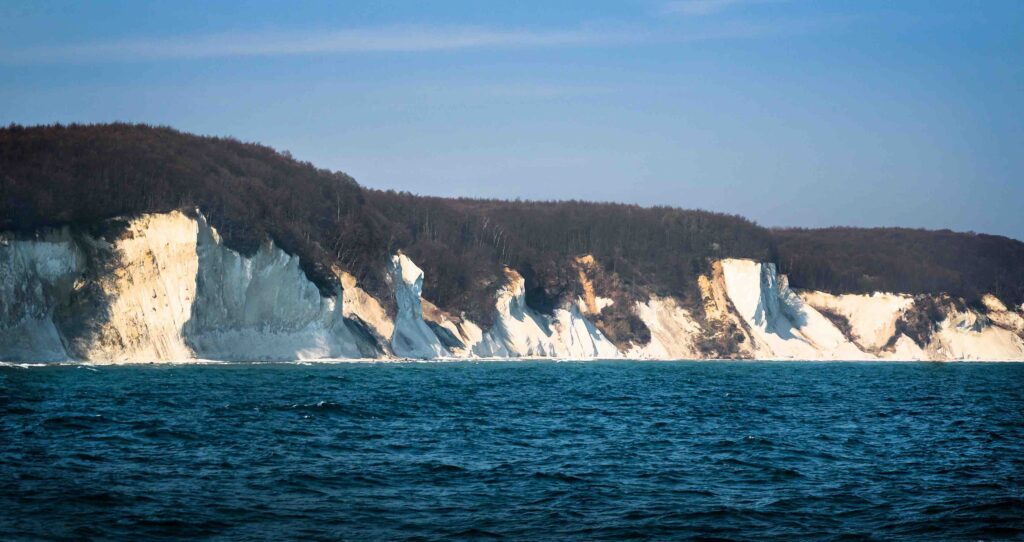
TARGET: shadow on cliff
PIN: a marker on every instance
(82, 317)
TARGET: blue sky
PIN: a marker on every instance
(792, 113)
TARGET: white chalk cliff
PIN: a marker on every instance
(520, 331)
(166, 288)
(35, 275)
(412, 336)
(781, 323)
(261, 307)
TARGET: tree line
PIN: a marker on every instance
(82, 174)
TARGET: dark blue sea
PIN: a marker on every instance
(517, 451)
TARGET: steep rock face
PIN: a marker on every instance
(991, 332)
(725, 334)
(782, 325)
(872, 318)
(456, 333)
(575, 336)
(786, 324)
(35, 277)
(412, 337)
(673, 331)
(369, 322)
(165, 287)
(1002, 316)
(905, 349)
(590, 303)
(138, 294)
(970, 335)
(519, 331)
(261, 307)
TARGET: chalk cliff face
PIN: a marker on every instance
(872, 318)
(135, 296)
(165, 287)
(520, 331)
(261, 307)
(968, 334)
(35, 276)
(782, 325)
(412, 336)
(674, 331)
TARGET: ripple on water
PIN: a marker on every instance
(537, 451)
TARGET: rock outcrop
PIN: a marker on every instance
(164, 287)
(412, 336)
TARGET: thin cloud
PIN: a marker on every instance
(357, 40)
(699, 8)
(529, 91)
(400, 39)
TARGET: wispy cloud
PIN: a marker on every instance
(519, 90)
(699, 8)
(355, 40)
(406, 39)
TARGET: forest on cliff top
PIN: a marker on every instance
(80, 175)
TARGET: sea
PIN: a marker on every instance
(607, 450)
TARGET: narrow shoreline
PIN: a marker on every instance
(400, 361)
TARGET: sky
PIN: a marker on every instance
(789, 112)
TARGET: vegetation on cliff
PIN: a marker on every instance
(82, 174)
(864, 260)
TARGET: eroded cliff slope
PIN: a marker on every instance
(164, 287)
(106, 257)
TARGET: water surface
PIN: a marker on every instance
(520, 450)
